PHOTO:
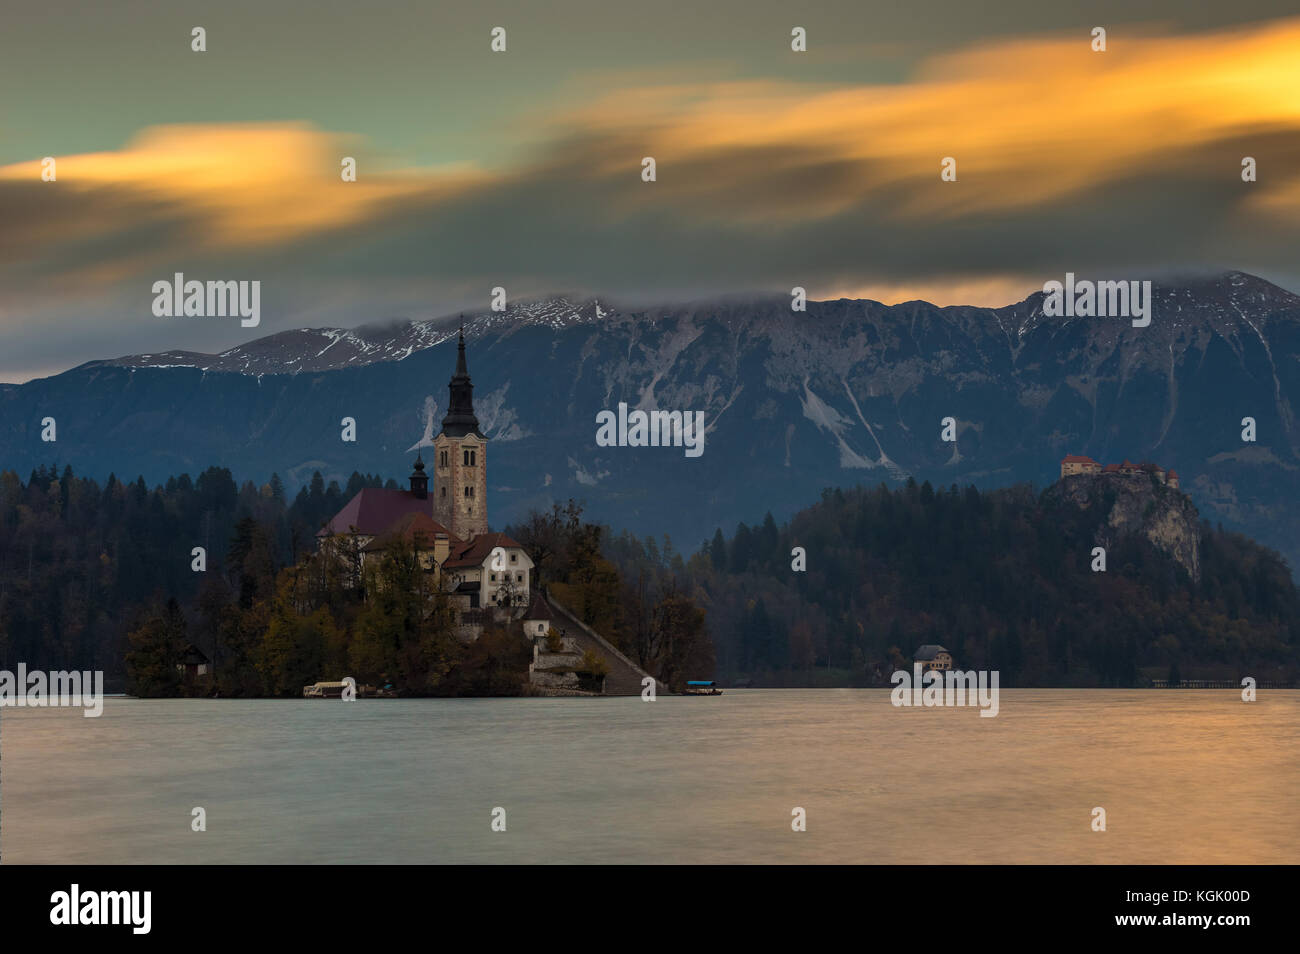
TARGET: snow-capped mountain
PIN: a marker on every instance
(326, 349)
(849, 391)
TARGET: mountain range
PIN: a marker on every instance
(846, 392)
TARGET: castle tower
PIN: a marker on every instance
(460, 460)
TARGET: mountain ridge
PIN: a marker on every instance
(406, 336)
(850, 391)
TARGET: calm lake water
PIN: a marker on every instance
(1185, 776)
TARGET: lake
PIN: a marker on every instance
(1185, 776)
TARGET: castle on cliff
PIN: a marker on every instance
(1073, 464)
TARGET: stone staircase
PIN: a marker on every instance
(624, 678)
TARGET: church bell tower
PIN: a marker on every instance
(460, 459)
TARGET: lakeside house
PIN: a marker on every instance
(933, 656)
(193, 662)
(1078, 464)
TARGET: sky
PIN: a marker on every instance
(523, 168)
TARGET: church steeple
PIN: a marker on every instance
(419, 479)
(460, 419)
(460, 464)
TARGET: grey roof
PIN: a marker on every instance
(929, 651)
(193, 656)
(460, 419)
(537, 609)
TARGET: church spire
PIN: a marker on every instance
(460, 419)
(462, 370)
(419, 479)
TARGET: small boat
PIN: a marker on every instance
(334, 690)
(702, 687)
(324, 690)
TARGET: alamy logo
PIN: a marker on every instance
(1087, 299)
(40, 690)
(93, 908)
(946, 687)
(651, 429)
(194, 299)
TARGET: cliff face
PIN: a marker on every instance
(1138, 504)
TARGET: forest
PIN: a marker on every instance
(103, 577)
(107, 578)
(1001, 578)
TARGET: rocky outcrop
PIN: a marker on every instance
(1137, 504)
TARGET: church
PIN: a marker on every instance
(487, 575)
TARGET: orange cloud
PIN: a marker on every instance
(1027, 121)
(248, 184)
(1030, 122)
(990, 292)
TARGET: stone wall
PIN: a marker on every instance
(554, 680)
(466, 632)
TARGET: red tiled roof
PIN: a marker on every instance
(374, 509)
(1077, 459)
(416, 527)
(478, 549)
(1110, 469)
